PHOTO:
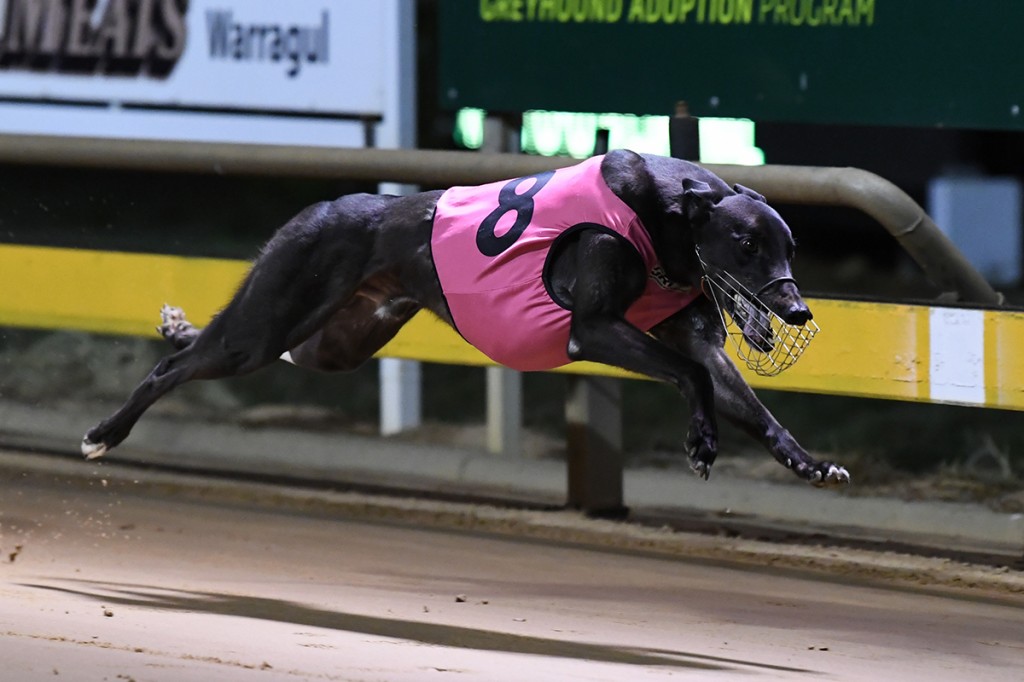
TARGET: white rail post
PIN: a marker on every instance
(504, 411)
(401, 404)
(400, 395)
(504, 386)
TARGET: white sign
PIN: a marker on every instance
(266, 71)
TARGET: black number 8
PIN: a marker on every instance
(487, 241)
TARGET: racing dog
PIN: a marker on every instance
(602, 261)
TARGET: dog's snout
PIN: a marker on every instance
(785, 300)
(798, 314)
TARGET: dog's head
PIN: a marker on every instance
(747, 251)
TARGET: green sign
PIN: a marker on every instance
(946, 63)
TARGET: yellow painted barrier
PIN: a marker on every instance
(882, 350)
(102, 291)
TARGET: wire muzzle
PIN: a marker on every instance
(763, 340)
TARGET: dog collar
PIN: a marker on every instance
(659, 275)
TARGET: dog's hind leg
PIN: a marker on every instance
(215, 352)
(168, 373)
(308, 270)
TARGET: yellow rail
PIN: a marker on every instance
(882, 350)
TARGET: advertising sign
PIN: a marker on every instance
(265, 71)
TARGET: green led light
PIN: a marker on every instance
(729, 140)
(549, 133)
(469, 128)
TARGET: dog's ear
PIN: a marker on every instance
(698, 198)
(746, 191)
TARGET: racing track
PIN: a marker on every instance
(119, 574)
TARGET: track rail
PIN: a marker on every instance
(894, 209)
(879, 350)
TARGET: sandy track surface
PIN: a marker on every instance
(109, 578)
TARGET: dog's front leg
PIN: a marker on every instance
(615, 342)
(738, 403)
(606, 279)
(697, 332)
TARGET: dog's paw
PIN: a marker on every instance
(172, 321)
(701, 450)
(823, 474)
(175, 328)
(91, 450)
(170, 314)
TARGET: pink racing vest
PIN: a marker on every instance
(490, 246)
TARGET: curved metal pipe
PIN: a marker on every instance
(900, 215)
(852, 187)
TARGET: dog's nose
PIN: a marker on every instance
(798, 314)
(785, 299)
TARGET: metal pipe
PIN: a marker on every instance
(433, 168)
(942, 263)
(900, 215)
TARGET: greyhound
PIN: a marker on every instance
(607, 261)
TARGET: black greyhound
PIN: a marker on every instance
(340, 279)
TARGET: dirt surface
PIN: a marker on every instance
(117, 574)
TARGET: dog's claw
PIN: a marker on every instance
(701, 450)
(820, 474)
(829, 475)
(837, 475)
